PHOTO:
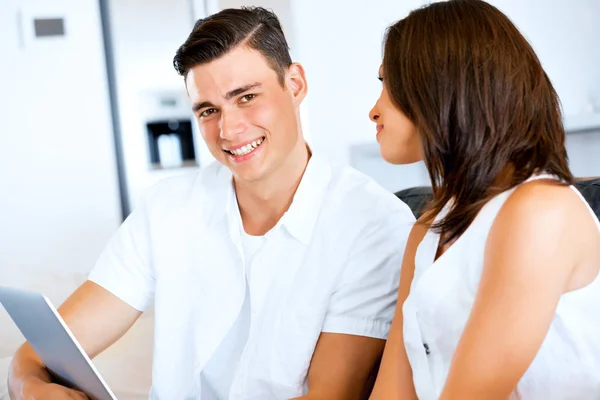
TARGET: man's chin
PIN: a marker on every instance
(249, 171)
(247, 174)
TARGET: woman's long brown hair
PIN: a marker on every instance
(481, 101)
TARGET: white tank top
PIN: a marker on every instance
(442, 292)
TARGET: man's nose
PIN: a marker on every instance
(231, 125)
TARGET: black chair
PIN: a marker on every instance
(417, 197)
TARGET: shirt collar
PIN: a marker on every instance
(300, 218)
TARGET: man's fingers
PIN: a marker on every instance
(77, 395)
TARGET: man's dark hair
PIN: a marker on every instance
(216, 35)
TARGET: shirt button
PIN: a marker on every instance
(427, 351)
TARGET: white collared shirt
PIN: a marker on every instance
(335, 257)
(218, 374)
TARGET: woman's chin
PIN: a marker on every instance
(398, 158)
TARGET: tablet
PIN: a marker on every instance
(52, 340)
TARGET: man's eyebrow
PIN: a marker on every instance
(236, 92)
(198, 106)
(231, 94)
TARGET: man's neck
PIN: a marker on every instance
(262, 204)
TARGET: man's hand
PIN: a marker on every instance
(35, 388)
(97, 319)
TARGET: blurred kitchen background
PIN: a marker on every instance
(92, 112)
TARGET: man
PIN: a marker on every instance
(273, 273)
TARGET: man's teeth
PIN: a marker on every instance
(242, 151)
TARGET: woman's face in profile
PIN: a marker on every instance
(398, 138)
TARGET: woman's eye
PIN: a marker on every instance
(207, 112)
(247, 98)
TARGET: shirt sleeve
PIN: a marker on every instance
(124, 267)
(364, 301)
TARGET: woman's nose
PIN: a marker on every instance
(374, 114)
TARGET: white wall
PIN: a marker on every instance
(146, 35)
(58, 184)
(584, 153)
(340, 46)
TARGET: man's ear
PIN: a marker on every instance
(296, 81)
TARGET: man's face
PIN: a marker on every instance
(249, 122)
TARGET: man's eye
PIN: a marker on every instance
(247, 98)
(207, 112)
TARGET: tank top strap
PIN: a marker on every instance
(542, 175)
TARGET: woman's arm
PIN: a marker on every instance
(533, 248)
(394, 380)
(341, 367)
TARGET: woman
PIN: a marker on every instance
(500, 289)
